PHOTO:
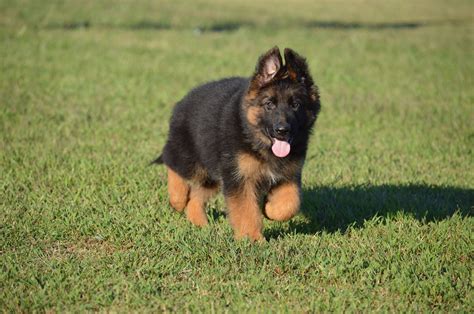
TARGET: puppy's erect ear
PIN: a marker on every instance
(267, 67)
(297, 67)
(298, 71)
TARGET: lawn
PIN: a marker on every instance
(86, 91)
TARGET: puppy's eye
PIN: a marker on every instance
(295, 105)
(269, 105)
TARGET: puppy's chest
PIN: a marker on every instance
(266, 173)
(272, 176)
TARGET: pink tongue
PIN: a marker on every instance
(280, 148)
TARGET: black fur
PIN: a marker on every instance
(205, 129)
(157, 161)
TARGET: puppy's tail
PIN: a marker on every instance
(157, 161)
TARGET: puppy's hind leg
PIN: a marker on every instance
(178, 190)
(196, 208)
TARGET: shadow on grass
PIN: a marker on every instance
(218, 27)
(85, 24)
(340, 25)
(234, 25)
(357, 25)
(70, 26)
(222, 27)
(337, 208)
(147, 25)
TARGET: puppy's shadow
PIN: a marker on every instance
(334, 209)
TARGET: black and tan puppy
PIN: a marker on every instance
(249, 138)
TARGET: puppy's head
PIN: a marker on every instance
(282, 101)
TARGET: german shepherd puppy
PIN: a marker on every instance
(246, 136)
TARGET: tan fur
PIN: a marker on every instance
(253, 114)
(283, 202)
(196, 209)
(178, 190)
(254, 111)
(244, 214)
(251, 94)
(250, 167)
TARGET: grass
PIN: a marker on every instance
(86, 91)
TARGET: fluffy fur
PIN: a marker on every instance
(222, 135)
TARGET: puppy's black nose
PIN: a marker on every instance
(282, 129)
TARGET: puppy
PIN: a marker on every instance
(247, 137)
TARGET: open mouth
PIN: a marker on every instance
(280, 148)
(281, 145)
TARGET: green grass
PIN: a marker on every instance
(86, 91)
